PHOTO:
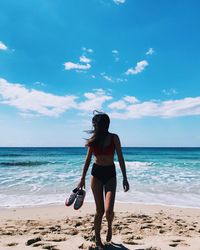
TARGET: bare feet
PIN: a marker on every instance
(99, 245)
(98, 242)
(109, 234)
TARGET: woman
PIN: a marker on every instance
(103, 175)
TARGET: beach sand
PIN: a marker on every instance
(136, 226)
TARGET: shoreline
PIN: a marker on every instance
(135, 226)
(59, 204)
(124, 206)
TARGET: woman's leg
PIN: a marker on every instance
(97, 189)
(110, 190)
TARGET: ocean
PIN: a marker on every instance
(40, 176)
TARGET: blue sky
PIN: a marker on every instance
(137, 60)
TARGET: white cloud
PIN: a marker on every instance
(85, 59)
(171, 91)
(108, 78)
(150, 51)
(88, 50)
(165, 109)
(114, 51)
(31, 101)
(121, 79)
(117, 105)
(140, 66)
(116, 55)
(113, 79)
(94, 100)
(131, 99)
(84, 64)
(3, 46)
(119, 1)
(71, 65)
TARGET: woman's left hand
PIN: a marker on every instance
(125, 185)
(81, 183)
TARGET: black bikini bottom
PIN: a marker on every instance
(103, 173)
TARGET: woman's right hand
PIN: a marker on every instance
(125, 185)
(81, 183)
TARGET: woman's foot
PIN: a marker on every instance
(109, 234)
(99, 246)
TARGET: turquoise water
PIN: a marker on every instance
(36, 176)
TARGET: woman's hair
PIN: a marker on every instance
(100, 122)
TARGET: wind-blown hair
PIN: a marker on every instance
(100, 122)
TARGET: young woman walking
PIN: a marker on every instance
(103, 145)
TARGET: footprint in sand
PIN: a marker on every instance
(77, 224)
(132, 240)
(55, 228)
(34, 240)
(173, 244)
(36, 232)
(147, 226)
(38, 244)
(178, 242)
(12, 244)
(162, 231)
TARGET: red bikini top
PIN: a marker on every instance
(109, 150)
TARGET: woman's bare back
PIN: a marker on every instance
(105, 160)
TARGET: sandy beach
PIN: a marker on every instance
(136, 226)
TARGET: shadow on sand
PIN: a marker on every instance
(115, 246)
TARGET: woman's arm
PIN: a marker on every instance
(121, 162)
(85, 168)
